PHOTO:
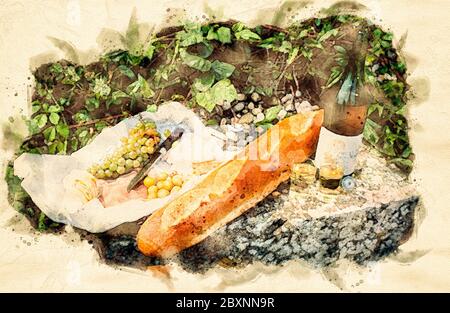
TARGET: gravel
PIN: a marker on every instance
(239, 106)
(259, 118)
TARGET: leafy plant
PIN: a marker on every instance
(243, 33)
(141, 88)
(219, 93)
(194, 61)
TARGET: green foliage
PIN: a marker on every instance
(243, 33)
(389, 135)
(17, 196)
(125, 70)
(219, 93)
(100, 88)
(271, 114)
(204, 82)
(194, 61)
(141, 88)
(191, 35)
(222, 70)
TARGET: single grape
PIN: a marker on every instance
(121, 169)
(167, 184)
(136, 163)
(149, 142)
(121, 161)
(175, 189)
(177, 180)
(100, 174)
(152, 189)
(129, 163)
(108, 173)
(149, 181)
(160, 184)
(144, 149)
(132, 155)
(113, 167)
(163, 193)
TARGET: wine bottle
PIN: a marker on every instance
(345, 101)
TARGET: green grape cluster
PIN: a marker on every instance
(134, 151)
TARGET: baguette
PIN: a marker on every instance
(231, 188)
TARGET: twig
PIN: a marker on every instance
(97, 120)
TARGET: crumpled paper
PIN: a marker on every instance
(48, 179)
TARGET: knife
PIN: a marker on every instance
(166, 144)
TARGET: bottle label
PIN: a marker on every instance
(337, 150)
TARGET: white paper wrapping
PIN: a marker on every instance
(47, 178)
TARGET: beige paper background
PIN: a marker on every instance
(30, 261)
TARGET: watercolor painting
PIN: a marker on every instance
(221, 149)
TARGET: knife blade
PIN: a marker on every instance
(166, 144)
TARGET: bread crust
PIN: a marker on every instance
(232, 188)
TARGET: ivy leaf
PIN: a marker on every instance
(191, 35)
(71, 76)
(149, 52)
(292, 55)
(370, 131)
(125, 70)
(16, 194)
(205, 50)
(41, 120)
(219, 93)
(222, 70)
(212, 35)
(81, 117)
(35, 108)
(50, 134)
(92, 104)
(223, 91)
(224, 35)
(54, 108)
(247, 34)
(142, 87)
(203, 82)
(238, 27)
(271, 113)
(328, 34)
(54, 118)
(403, 162)
(205, 100)
(146, 91)
(152, 108)
(118, 94)
(61, 147)
(63, 130)
(194, 61)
